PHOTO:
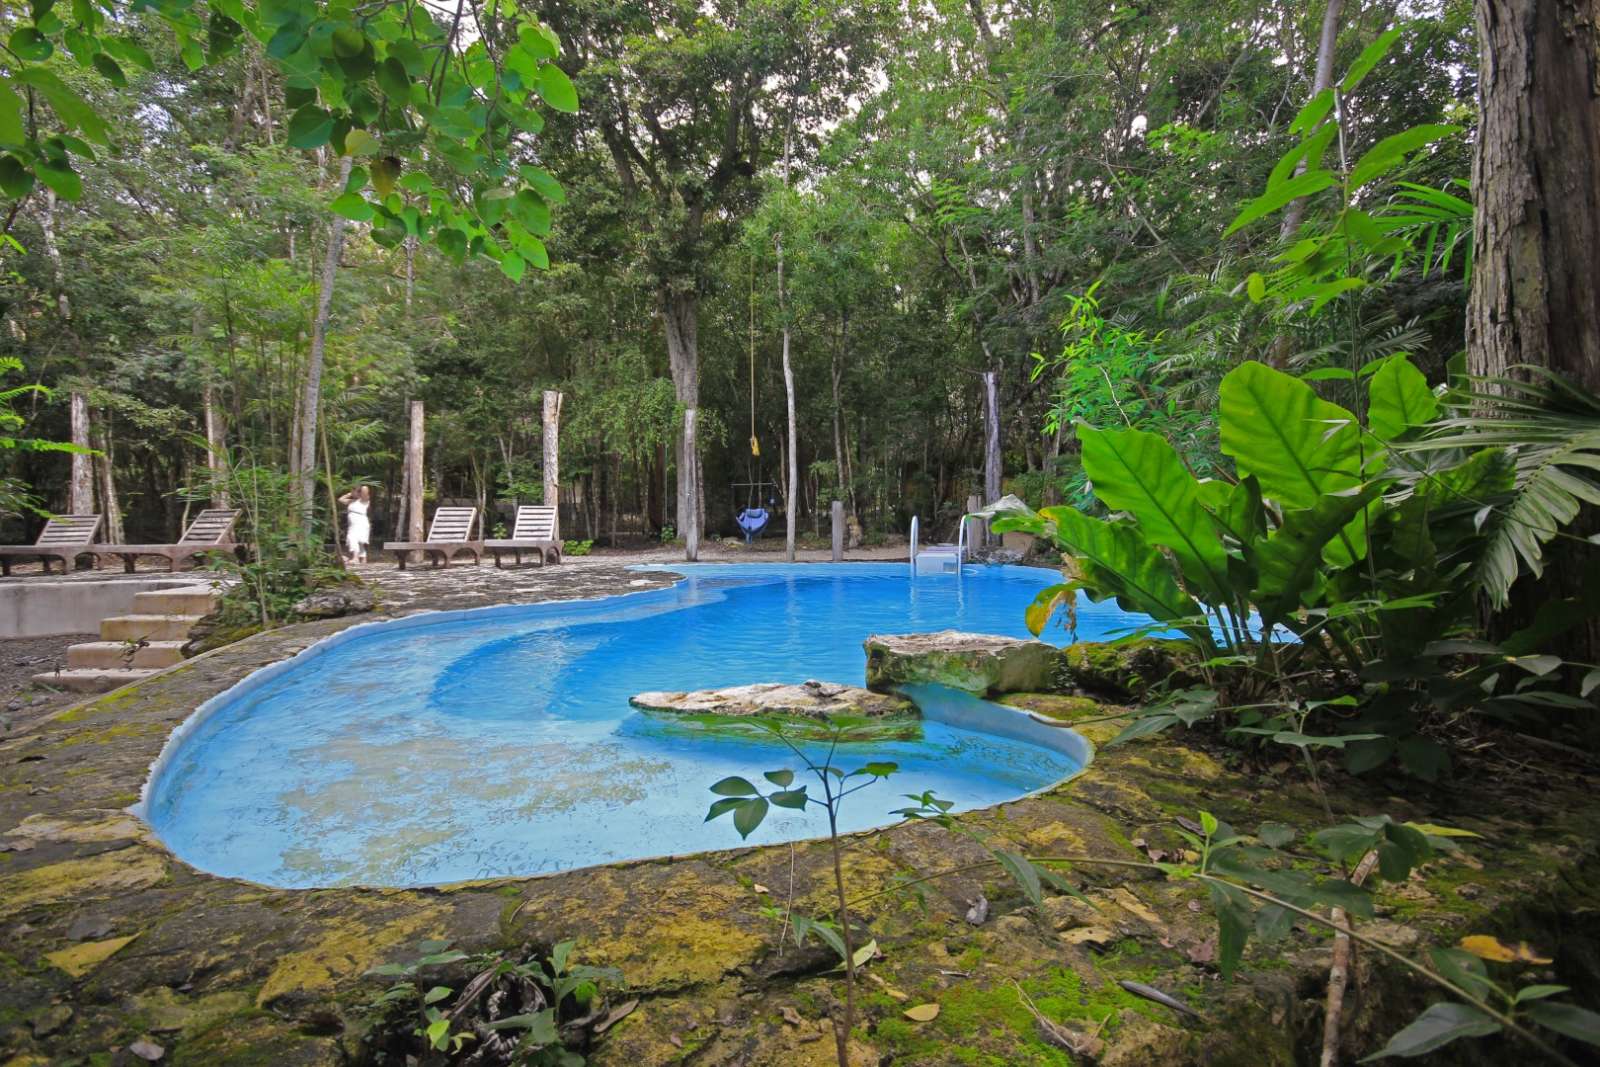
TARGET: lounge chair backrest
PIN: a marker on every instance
(210, 527)
(535, 522)
(64, 530)
(452, 524)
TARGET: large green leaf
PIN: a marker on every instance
(1390, 151)
(1140, 473)
(1399, 399)
(1300, 447)
(1312, 181)
(1287, 561)
(1118, 562)
(1435, 1028)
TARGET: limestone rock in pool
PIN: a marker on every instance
(811, 700)
(977, 663)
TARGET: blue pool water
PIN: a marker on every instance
(501, 742)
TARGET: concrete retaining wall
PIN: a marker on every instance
(41, 608)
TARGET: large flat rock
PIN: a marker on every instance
(977, 663)
(809, 700)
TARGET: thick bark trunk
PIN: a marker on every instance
(216, 446)
(552, 453)
(1536, 275)
(678, 314)
(80, 487)
(311, 402)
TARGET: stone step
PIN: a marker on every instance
(92, 679)
(197, 601)
(149, 627)
(113, 655)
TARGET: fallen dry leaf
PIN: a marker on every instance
(1486, 947)
(923, 1013)
(759, 888)
(791, 1016)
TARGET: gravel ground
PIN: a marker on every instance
(22, 702)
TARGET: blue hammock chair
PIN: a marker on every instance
(752, 521)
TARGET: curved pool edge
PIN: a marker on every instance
(262, 675)
(940, 704)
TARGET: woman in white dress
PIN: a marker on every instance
(358, 528)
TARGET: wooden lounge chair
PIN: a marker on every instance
(64, 537)
(211, 531)
(534, 531)
(449, 534)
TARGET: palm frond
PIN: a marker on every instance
(1551, 430)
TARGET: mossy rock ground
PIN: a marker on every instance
(106, 939)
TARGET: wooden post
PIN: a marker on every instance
(414, 474)
(216, 465)
(552, 455)
(80, 489)
(838, 530)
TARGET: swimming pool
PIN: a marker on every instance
(499, 741)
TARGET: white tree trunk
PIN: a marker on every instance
(58, 274)
(80, 488)
(105, 463)
(1321, 80)
(991, 437)
(216, 446)
(552, 454)
(414, 477)
(311, 404)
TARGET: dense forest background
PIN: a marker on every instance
(908, 197)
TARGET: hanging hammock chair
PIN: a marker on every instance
(754, 518)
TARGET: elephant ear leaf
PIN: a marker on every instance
(1298, 446)
(1287, 561)
(1141, 474)
(1116, 561)
(1399, 399)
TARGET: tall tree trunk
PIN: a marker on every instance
(216, 447)
(1295, 213)
(80, 487)
(991, 437)
(414, 476)
(411, 270)
(1536, 273)
(552, 454)
(58, 274)
(678, 313)
(310, 406)
(791, 494)
(110, 508)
